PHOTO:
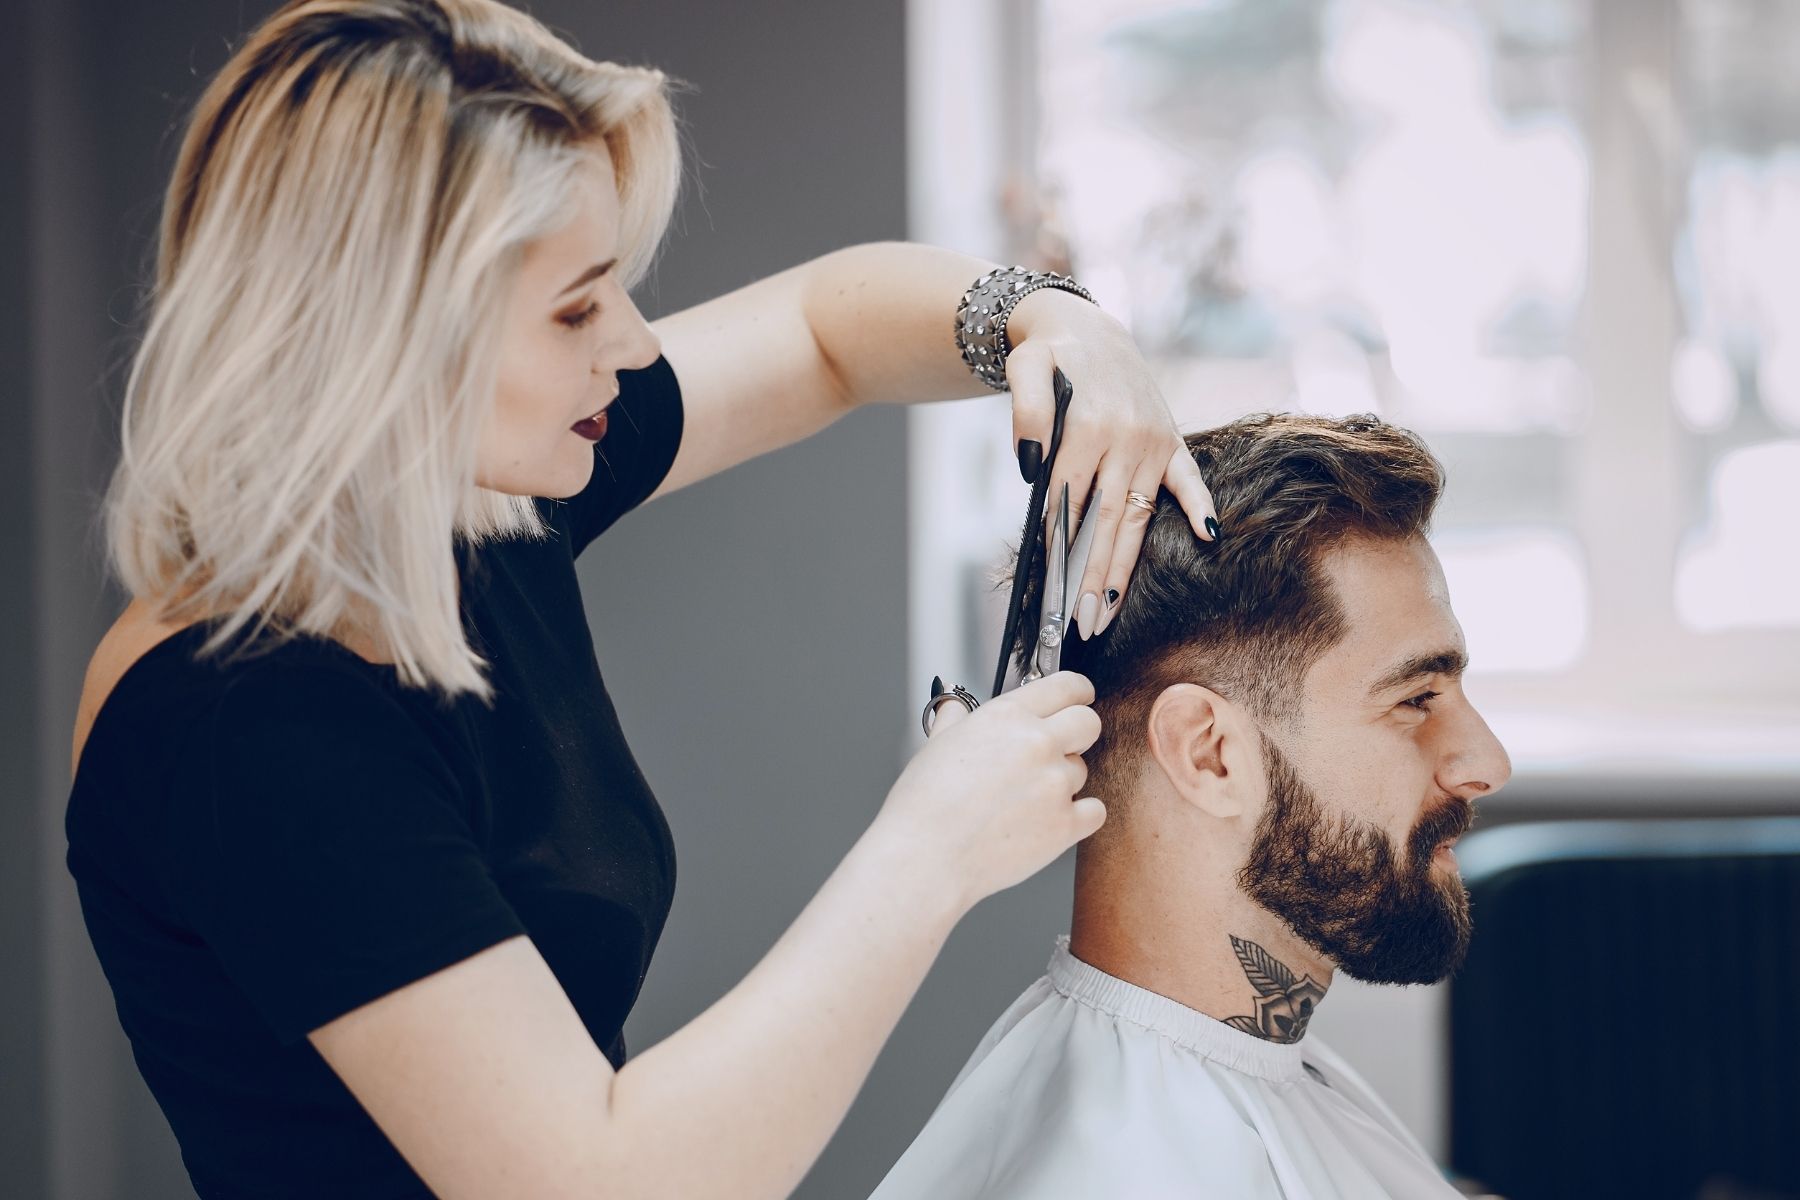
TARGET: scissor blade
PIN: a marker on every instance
(1082, 549)
(1053, 615)
(1056, 571)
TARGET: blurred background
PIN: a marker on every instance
(1558, 238)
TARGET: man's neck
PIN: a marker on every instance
(1208, 947)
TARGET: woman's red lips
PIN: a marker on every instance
(592, 428)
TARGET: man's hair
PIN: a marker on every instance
(1248, 614)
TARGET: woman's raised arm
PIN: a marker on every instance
(780, 359)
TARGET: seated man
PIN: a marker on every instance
(1287, 758)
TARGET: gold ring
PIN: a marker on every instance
(1142, 501)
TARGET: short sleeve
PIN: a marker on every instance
(321, 847)
(643, 432)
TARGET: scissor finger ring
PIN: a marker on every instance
(958, 693)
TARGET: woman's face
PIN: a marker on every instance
(569, 329)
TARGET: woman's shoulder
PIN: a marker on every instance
(149, 678)
(182, 740)
(132, 637)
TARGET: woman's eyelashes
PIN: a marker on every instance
(577, 320)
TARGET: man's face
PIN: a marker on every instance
(1359, 865)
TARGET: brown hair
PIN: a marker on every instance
(1248, 614)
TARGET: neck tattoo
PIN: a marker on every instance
(1284, 1004)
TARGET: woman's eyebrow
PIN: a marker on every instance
(1435, 662)
(592, 273)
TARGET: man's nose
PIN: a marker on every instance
(1480, 765)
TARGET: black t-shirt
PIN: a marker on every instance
(263, 845)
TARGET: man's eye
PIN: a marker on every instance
(1422, 701)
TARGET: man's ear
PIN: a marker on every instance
(1198, 739)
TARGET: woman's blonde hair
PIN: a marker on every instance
(349, 208)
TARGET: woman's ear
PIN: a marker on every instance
(1197, 738)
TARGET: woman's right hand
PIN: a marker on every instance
(485, 1078)
(990, 799)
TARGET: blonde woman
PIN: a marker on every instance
(363, 852)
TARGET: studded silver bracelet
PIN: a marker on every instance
(987, 305)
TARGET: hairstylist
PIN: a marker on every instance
(370, 869)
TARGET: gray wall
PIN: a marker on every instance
(77, 1120)
(751, 628)
(21, 887)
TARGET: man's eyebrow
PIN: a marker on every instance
(1438, 662)
(592, 273)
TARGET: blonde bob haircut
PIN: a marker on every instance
(349, 208)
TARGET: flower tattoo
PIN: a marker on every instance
(1284, 1004)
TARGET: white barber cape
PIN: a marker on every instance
(1092, 1087)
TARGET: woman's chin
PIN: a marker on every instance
(567, 476)
(566, 483)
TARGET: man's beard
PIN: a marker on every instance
(1338, 886)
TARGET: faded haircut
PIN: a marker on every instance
(1248, 614)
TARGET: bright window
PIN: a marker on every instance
(1556, 238)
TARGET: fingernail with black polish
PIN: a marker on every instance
(1212, 527)
(1031, 458)
(937, 686)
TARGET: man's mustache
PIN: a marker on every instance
(1451, 819)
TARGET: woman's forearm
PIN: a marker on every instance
(779, 359)
(741, 1101)
(883, 316)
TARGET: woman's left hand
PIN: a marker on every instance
(1118, 436)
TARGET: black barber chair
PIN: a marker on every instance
(1628, 1021)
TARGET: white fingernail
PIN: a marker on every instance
(1112, 610)
(1086, 613)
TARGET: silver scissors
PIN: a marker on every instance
(1062, 579)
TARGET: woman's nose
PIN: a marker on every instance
(636, 345)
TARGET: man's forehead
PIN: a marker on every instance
(1396, 605)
